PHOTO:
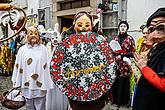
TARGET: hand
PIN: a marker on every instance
(139, 61)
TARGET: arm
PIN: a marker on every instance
(153, 78)
(149, 74)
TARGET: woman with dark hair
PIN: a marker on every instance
(121, 87)
(141, 43)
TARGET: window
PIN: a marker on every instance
(85, 3)
(72, 4)
(41, 17)
(44, 17)
(113, 12)
(66, 6)
(110, 17)
(76, 4)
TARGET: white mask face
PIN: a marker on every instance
(123, 28)
(55, 38)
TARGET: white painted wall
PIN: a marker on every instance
(45, 3)
(20, 3)
(138, 11)
(32, 5)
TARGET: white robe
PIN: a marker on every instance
(55, 99)
(31, 69)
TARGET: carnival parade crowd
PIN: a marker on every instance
(80, 69)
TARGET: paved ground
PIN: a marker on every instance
(109, 106)
(5, 84)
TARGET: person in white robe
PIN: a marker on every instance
(55, 99)
(31, 71)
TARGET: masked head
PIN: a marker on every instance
(123, 27)
(33, 36)
(82, 22)
(156, 26)
(54, 35)
(55, 38)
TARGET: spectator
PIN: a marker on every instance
(121, 87)
(150, 92)
(141, 41)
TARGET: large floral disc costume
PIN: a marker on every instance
(83, 66)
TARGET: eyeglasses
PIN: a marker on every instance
(158, 27)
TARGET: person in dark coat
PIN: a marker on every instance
(150, 92)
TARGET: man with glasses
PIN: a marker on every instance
(150, 93)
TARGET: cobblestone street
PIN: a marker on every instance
(6, 84)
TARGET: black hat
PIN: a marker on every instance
(158, 13)
(125, 22)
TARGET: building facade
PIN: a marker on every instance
(64, 10)
(138, 11)
(49, 12)
(114, 11)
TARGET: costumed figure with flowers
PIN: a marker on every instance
(82, 66)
